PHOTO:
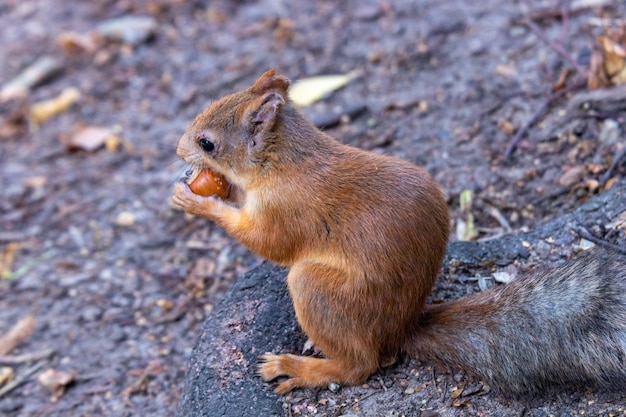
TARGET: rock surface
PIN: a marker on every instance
(257, 316)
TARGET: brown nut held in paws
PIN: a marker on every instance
(209, 183)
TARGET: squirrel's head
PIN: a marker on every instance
(234, 136)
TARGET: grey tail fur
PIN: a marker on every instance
(556, 326)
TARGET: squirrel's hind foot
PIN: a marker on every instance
(308, 372)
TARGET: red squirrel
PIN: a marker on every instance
(364, 236)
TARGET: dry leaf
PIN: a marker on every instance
(56, 381)
(154, 368)
(73, 42)
(6, 375)
(42, 111)
(608, 60)
(132, 30)
(506, 70)
(22, 330)
(456, 392)
(572, 176)
(611, 182)
(309, 90)
(506, 127)
(6, 259)
(89, 138)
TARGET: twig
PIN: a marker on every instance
(585, 234)
(551, 13)
(616, 160)
(21, 379)
(27, 357)
(537, 115)
(499, 217)
(557, 48)
(12, 236)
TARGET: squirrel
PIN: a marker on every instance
(364, 236)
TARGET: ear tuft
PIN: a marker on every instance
(271, 82)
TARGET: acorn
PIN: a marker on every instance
(208, 183)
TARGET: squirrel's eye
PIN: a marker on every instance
(206, 145)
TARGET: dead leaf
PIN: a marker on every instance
(611, 182)
(165, 304)
(309, 90)
(89, 138)
(608, 60)
(56, 381)
(6, 375)
(22, 330)
(506, 127)
(132, 30)
(6, 259)
(592, 185)
(506, 70)
(572, 176)
(154, 368)
(42, 111)
(74, 42)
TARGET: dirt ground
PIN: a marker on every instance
(119, 282)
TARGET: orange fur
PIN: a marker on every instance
(364, 234)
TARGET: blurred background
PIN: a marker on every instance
(104, 285)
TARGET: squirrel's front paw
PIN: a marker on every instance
(193, 203)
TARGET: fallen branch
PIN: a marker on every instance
(537, 115)
(586, 234)
(555, 47)
(21, 379)
(27, 357)
(616, 160)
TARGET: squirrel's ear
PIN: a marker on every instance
(267, 110)
(271, 82)
(263, 110)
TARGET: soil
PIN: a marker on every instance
(119, 281)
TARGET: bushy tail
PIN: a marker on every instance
(565, 325)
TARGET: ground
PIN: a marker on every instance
(119, 281)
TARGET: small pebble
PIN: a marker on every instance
(125, 219)
(334, 388)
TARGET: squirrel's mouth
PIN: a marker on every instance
(191, 174)
(233, 195)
